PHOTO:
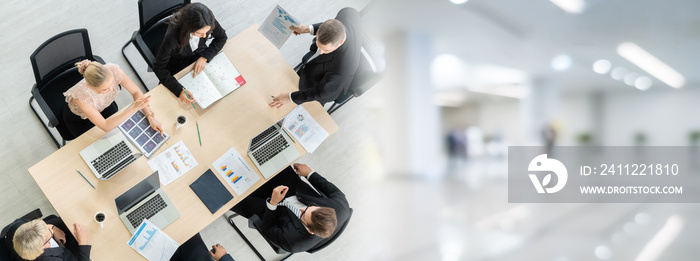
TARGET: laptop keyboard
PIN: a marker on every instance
(276, 145)
(118, 157)
(258, 140)
(146, 211)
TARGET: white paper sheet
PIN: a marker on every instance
(236, 171)
(152, 243)
(218, 79)
(201, 88)
(173, 163)
(276, 26)
(223, 74)
(304, 128)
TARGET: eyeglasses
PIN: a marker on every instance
(50, 230)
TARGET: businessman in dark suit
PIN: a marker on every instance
(299, 214)
(326, 77)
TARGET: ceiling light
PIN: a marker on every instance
(630, 78)
(658, 244)
(602, 66)
(618, 73)
(651, 64)
(459, 2)
(643, 83)
(561, 62)
(570, 6)
(603, 252)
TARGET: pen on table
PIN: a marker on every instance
(81, 174)
(188, 97)
(166, 140)
(199, 134)
(290, 136)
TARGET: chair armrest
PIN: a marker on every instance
(255, 222)
(142, 47)
(53, 121)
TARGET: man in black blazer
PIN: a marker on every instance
(60, 245)
(299, 214)
(326, 77)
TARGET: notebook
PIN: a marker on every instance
(210, 190)
(218, 79)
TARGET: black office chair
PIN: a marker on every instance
(152, 27)
(255, 222)
(369, 72)
(5, 251)
(55, 72)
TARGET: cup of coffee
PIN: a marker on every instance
(100, 218)
(180, 121)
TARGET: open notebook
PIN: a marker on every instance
(218, 79)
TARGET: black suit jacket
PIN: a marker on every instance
(50, 254)
(327, 76)
(284, 229)
(171, 60)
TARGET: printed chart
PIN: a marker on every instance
(173, 163)
(276, 26)
(152, 243)
(237, 173)
(304, 128)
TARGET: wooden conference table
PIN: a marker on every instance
(230, 122)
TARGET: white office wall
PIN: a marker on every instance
(666, 117)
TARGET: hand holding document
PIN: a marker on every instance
(276, 26)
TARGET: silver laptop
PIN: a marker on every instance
(109, 155)
(272, 150)
(146, 200)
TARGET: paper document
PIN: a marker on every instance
(304, 128)
(236, 171)
(276, 26)
(172, 163)
(218, 79)
(152, 243)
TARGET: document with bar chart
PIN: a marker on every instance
(276, 26)
(173, 163)
(236, 171)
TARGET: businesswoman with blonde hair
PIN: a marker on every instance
(91, 101)
(184, 43)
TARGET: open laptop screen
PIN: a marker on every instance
(136, 193)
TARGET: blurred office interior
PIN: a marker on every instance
(466, 79)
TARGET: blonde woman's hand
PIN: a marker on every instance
(155, 124)
(142, 102)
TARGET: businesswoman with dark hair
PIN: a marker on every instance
(184, 43)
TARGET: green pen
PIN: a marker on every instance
(188, 97)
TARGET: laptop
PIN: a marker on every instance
(146, 200)
(272, 150)
(109, 155)
(118, 148)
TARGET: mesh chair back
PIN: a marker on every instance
(59, 54)
(152, 11)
